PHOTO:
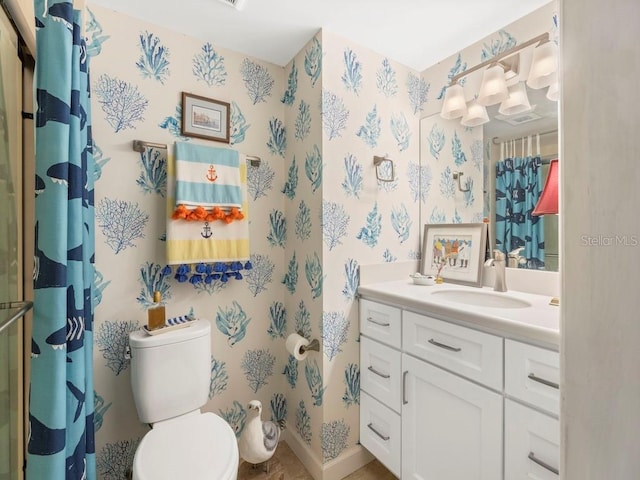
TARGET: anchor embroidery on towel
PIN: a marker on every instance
(212, 176)
(206, 230)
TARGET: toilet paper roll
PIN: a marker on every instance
(294, 344)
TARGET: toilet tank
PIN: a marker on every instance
(170, 371)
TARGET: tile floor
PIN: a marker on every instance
(285, 466)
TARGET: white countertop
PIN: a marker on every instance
(538, 324)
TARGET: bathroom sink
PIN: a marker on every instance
(481, 298)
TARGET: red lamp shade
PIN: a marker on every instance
(548, 203)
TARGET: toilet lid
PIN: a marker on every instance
(195, 446)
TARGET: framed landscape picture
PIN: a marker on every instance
(455, 251)
(205, 118)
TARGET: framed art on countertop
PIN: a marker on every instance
(455, 252)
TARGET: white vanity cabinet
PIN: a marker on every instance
(381, 382)
(532, 444)
(473, 354)
(451, 427)
(533, 375)
(441, 401)
(381, 322)
(532, 438)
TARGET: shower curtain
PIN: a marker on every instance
(518, 188)
(61, 433)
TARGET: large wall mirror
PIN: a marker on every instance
(468, 169)
(533, 133)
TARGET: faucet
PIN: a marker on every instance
(514, 258)
(499, 262)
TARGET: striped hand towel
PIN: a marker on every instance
(208, 183)
(206, 242)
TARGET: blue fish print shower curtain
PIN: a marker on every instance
(518, 188)
(61, 437)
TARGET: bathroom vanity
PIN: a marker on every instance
(459, 383)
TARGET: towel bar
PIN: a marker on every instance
(140, 146)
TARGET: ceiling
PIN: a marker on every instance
(416, 33)
(543, 117)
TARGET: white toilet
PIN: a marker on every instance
(170, 376)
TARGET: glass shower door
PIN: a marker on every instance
(10, 397)
(11, 307)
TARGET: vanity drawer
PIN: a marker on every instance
(532, 374)
(380, 432)
(380, 372)
(380, 322)
(473, 354)
(531, 444)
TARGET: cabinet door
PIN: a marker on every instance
(451, 428)
(532, 444)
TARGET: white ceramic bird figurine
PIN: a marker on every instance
(258, 440)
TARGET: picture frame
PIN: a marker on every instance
(205, 118)
(455, 251)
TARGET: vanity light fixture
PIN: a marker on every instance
(544, 65)
(517, 101)
(501, 72)
(554, 90)
(454, 105)
(494, 86)
(476, 115)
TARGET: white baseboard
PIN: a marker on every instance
(304, 453)
(347, 463)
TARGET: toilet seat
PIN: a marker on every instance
(195, 446)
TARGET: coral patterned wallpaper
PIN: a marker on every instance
(371, 105)
(303, 279)
(316, 213)
(138, 73)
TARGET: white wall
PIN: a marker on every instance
(600, 199)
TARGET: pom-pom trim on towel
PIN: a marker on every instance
(201, 214)
(208, 272)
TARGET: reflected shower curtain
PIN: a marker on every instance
(518, 188)
(61, 437)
